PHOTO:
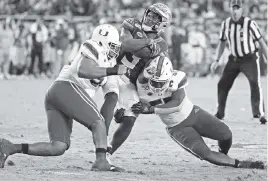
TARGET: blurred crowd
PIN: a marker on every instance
(40, 46)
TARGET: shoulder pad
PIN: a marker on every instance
(131, 23)
(89, 50)
(179, 80)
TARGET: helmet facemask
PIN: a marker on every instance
(156, 18)
(158, 86)
(151, 21)
(113, 50)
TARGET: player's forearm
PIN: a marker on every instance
(170, 107)
(97, 72)
(220, 49)
(130, 45)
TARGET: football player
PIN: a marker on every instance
(136, 51)
(67, 99)
(162, 91)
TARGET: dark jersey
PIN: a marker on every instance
(134, 63)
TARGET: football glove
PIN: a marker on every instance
(142, 108)
(119, 114)
(155, 48)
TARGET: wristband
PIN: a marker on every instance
(112, 70)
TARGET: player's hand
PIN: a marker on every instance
(214, 66)
(155, 49)
(119, 114)
(142, 108)
(149, 72)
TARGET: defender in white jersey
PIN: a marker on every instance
(162, 91)
(67, 99)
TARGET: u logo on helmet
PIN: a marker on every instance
(103, 34)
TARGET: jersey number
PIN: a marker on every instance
(130, 60)
(103, 34)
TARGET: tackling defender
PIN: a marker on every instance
(162, 91)
(142, 43)
(67, 99)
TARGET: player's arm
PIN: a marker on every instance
(89, 69)
(129, 44)
(167, 108)
(173, 105)
(156, 48)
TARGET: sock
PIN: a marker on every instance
(24, 148)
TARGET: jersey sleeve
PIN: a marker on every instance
(179, 80)
(255, 30)
(89, 51)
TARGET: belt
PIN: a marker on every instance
(160, 101)
(247, 56)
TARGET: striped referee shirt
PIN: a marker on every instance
(241, 35)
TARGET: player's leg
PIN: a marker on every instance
(251, 69)
(211, 127)
(122, 132)
(110, 92)
(59, 129)
(127, 97)
(207, 125)
(60, 140)
(84, 110)
(230, 72)
(189, 139)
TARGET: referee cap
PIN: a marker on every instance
(236, 3)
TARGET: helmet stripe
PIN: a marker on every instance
(159, 66)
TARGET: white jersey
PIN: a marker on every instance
(94, 51)
(178, 81)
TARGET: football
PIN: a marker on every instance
(142, 53)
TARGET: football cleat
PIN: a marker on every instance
(101, 165)
(263, 120)
(6, 148)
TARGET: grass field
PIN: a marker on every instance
(148, 154)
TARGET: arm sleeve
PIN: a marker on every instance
(255, 30)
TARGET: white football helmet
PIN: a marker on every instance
(161, 71)
(107, 36)
(156, 18)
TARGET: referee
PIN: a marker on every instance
(242, 35)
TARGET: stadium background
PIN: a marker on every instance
(192, 36)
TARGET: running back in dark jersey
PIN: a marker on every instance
(137, 64)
